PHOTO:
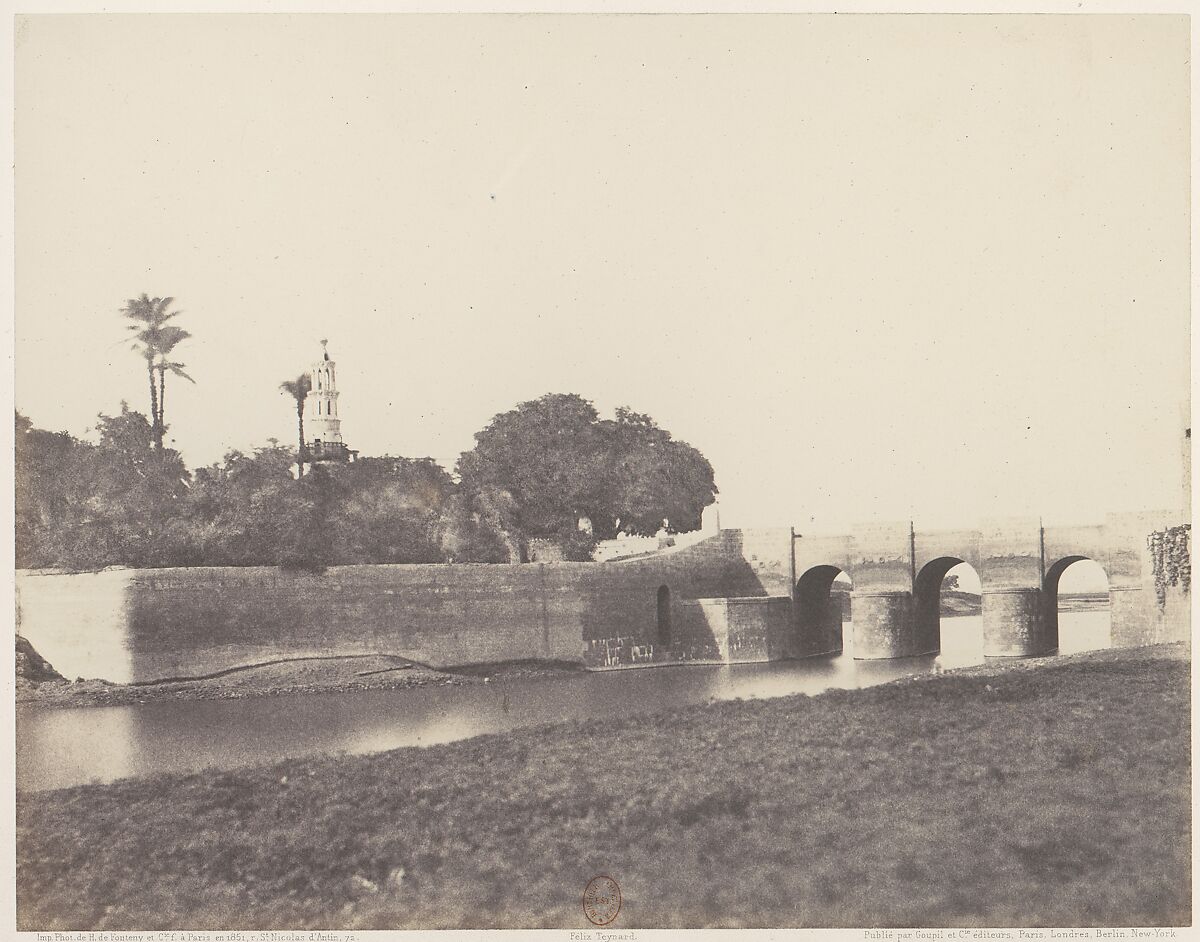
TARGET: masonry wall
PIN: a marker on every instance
(77, 622)
(141, 625)
(734, 630)
(156, 624)
(625, 630)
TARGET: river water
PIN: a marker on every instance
(61, 747)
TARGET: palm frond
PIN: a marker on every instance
(164, 366)
(169, 337)
(297, 388)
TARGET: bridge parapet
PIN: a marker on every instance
(823, 550)
(1010, 553)
(881, 557)
(933, 545)
(1075, 543)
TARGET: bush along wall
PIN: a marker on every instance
(1170, 555)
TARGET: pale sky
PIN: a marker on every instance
(872, 267)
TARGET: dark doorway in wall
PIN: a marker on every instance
(664, 616)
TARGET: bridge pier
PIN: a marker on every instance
(1015, 623)
(885, 626)
(1132, 618)
(1012, 577)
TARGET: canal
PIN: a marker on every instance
(59, 747)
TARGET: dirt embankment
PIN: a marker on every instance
(38, 682)
(32, 668)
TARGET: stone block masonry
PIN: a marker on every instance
(142, 625)
(897, 572)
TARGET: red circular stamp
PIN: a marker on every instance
(601, 900)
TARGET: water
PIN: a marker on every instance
(61, 747)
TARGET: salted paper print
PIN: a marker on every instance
(602, 473)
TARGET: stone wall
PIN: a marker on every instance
(734, 564)
(140, 625)
(733, 596)
(736, 630)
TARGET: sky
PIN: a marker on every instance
(873, 267)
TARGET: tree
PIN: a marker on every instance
(85, 506)
(249, 511)
(552, 461)
(536, 466)
(138, 487)
(471, 529)
(169, 337)
(387, 510)
(298, 389)
(154, 340)
(49, 484)
(651, 477)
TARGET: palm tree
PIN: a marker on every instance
(154, 338)
(169, 337)
(298, 389)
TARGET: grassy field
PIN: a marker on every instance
(1049, 796)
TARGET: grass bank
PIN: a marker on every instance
(1049, 796)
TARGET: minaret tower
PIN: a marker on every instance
(321, 417)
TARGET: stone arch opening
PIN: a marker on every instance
(663, 634)
(1076, 604)
(822, 604)
(948, 587)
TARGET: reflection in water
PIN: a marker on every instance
(61, 747)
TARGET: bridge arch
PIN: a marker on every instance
(817, 611)
(927, 599)
(1074, 634)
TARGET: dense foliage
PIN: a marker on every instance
(123, 500)
(120, 502)
(1171, 559)
(561, 462)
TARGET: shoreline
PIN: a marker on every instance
(307, 676)
(38, 686)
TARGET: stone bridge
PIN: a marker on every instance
(897, 571)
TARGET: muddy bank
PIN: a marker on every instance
(38, 683)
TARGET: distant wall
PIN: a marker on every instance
(141, 625)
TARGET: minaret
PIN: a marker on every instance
(321, 418)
